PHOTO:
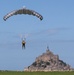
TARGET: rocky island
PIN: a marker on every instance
(48, 62)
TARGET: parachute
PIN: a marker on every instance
(23, 11)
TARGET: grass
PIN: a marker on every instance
(34, 73)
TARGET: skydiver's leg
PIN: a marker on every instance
(23, 46)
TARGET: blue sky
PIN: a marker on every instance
(56, 30)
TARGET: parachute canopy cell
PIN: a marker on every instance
(23, 11)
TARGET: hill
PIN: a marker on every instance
(48, 62)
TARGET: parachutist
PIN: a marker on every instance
(23, 44)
